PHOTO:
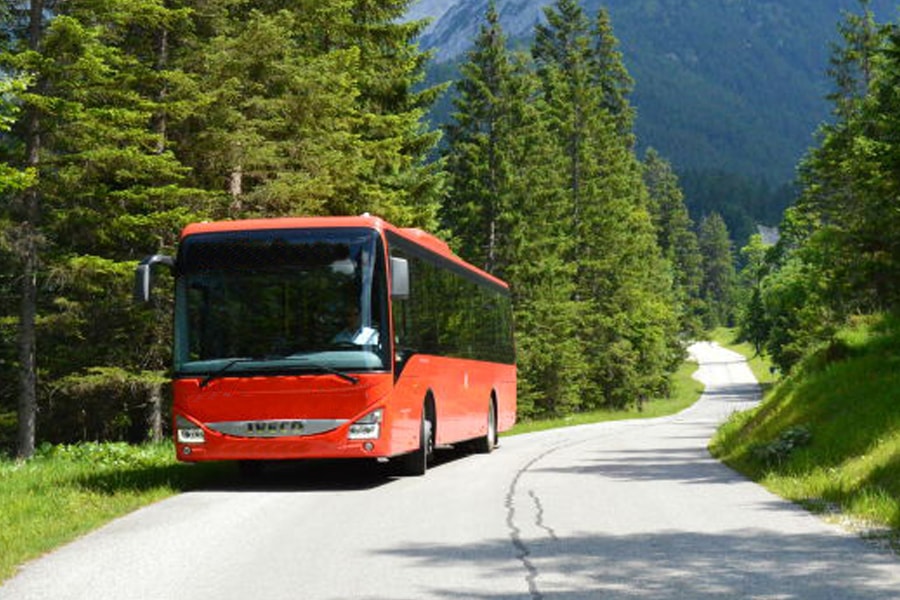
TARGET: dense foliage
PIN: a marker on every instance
(126, 119)
(839, 254)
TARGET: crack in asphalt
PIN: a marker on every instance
(515, 534)
(539, 516)
(523, 553)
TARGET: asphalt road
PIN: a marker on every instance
(632, 509)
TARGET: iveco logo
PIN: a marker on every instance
(274, 427)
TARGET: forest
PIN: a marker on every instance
(124, 120)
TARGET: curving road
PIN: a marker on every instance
(631, 509)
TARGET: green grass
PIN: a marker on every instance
(67, 491)
(828, 436)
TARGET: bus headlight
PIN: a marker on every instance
(368, 427)
(187, 432)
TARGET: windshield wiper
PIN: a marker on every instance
(221, 370)
(303, 361)
(306, 362)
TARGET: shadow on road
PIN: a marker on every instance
(670, 565)
(688, 465)
(281, 476)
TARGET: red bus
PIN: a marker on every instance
(333, 337)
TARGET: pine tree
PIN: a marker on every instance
(838, 253)
(611, 75)
(478, 149)
(629, 325)
(551, 360)
(12, 179)
(562, 52)
(508, 209)
(310, 109)
(718, 271)
(676, 238)
(394, 105)
(845, 204)
(25, 234)
(752, 319)
(852, 64)
(276, 133)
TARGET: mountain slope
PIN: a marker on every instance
(730, 85)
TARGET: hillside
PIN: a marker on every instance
(724, 85)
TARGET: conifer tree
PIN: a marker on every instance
(611, 75)
(12, 179)
(676, 238)
(394, 105)
(276, 133)
(479, 150)
(853, 62)
(838, 253)
(562, 53)
(310, 109)
(752, 318)
(718, 271)
(629, 324)
(24, 235)
(844, 208)
(508, 209)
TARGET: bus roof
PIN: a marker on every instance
(416, 236)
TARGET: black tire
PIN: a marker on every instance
(416, 462)
(486, 444)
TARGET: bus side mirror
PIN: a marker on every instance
(399, 278)
(143, 275)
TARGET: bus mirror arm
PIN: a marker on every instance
(399, 278)
(143, 275)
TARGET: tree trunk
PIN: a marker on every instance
(236, 189)
(28, 344)
(27, 341)
(160, 119)
(154, 417)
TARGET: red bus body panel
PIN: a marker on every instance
(462, 389)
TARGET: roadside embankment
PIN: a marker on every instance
(827, 436)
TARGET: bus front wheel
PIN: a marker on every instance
(486, 444)
(416, 462)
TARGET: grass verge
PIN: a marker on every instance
(828, 435)
(66, 491)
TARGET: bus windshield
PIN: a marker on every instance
(281, 301)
